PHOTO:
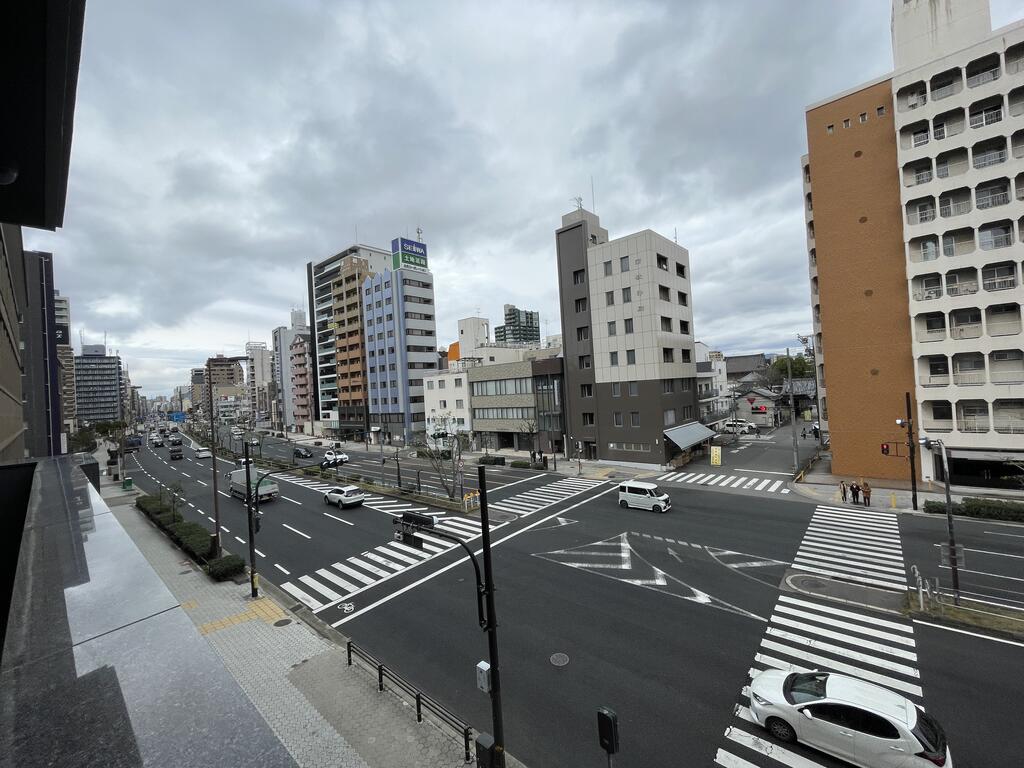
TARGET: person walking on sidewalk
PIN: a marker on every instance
(855, 493)
(866, 490)
(803, 433)
(843, 489)
(757, 431)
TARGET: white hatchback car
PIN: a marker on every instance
(860, 722)
(331, 455)
(203, 453)
(634, 493)
(346, 496)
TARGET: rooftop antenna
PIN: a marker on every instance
(357, 234)
(579, 202)
(419, 234)
(593, 202)
(675, 235)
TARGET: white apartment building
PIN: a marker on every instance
(259, 377)
(713, 401)
(959, 118)
(446, 399)
(282, 339)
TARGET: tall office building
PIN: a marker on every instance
(298, 366)
(521, 326)
(197, 382)
(66, 360)
(281, 340)
(99, 385)
(914, 198)
(627, 328)
(337, 381)
(41, 377)
(401, 340)
(259, 375)
(226, 378)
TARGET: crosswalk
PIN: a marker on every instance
(339, 581)
(806, 634)
(525, 503)
(733, 482)
(380, 503)
(854, 544)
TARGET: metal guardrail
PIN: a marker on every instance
(423, 701)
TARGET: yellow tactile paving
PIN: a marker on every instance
(188, 605)
(263, 609)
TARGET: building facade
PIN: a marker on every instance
(337, 353)
(99, 384)
(66, 361)
(281, 342)
(521, 326)
(197, 383)
(12, 356)
(446, 400)
(259, 380)
(299, 368)
(42, 374)
(401, 341)
(222, 372)
(928, 299)
(627, 329)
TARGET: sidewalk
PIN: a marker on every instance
(325, 713)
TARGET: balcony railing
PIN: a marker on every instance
(1002, 240)
(962, 289)
(922, 216)
(927, 294)
(954, 209)
(943, 91)
(988, 117)
(950, 169)
(965, 331)
(920, 139)
(931, 334)
(1007, 376)
(983, 77)
(968, 378)
(999, 283)
(923, 177)
(1012, 425)
(1003, 327)
(1014, 66)
(993, 199)
(957, 248)
(917, 100)
(973, 424)
(935, 380)
(990, 158)
(945, 130)
(937, 425)
(924, 254)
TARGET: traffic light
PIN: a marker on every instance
(885, 449)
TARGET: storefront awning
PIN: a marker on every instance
(688, 435)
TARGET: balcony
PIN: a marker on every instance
(993, 199)
(1004, 327)
(951, 208)
(921, 216)
(985, 76)
(1001, 283)
(965, 288)
(937, 425)
(986, 159)
(921, 138)
(972, 424)
(991, 241)
(986, 117)
(968, 378)
(928, 293)
(925, 335)
(965, 331)
(943, 91)
(1012, 425)
(934, 380)
(923, 177)
(1007, 375)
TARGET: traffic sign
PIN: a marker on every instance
(462, 463)
(716, 455)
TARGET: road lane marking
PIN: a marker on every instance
(763, 747)
(835, 650)
(994, 533)
(987, 552)
(336, 579)
(259, 553)
(303, 597)
(323, 589)
(864, 618)
(817, 662)
(210, 519)
(293, 501)
(192, 505)
(965, 632)
(764, 472)
(224, 494)
(296, 530)
(986, 573)
(225, 529)
(340, 520)
(239, 540)
(200, 482)
(367, 567)
(186, 474)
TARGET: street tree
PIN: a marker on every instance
(528, 429)
(442, 446)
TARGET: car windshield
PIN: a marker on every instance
(801, 688)
(930, 733)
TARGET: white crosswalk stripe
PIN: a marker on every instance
(533, 500)
(805, 633)
(740, 482)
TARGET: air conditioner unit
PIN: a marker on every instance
(1001, 356)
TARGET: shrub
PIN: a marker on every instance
(191, 537)
(486, 459)
(991, 509)
(148, 504)
(939, 507)
(518, 464)
(426, 453)
(167, 518)
(226, 567)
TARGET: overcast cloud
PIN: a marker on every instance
(220, 146)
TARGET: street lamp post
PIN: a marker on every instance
(213, 450)
(908, 424)
(954, 568)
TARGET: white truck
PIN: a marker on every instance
(268, 488)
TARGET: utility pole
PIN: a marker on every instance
(213, 463)
(908, 424)
(954, 566)
(492, 626)
(254, 579)
(792, 408)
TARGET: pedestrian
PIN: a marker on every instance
(855, 493)
(843, 489)
(533, 457)
(803, 433)
(757, 431)
(866, 490)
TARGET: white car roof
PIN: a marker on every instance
(639, 484)
(871, 697)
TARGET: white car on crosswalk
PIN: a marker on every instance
(336, 455)
(345, 496)
(849, 718)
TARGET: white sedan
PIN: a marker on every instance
(203, 453)
(346, 496)
(849, 718)
(332, 455)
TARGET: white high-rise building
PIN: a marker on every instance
(282, 339)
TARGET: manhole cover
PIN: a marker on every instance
(559, 659)
(282, 622)
(501, 517)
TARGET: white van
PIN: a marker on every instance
(634, 493)
(738, 427)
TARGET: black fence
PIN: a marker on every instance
(423, 702)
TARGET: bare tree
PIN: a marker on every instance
(443, 447)
(528, 429)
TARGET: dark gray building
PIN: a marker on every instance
(41, 375)
(627, 331)
(98, 385)
(521, 325)
(12, 357)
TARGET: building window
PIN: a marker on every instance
(627, 295)
(607, 268)
(583, 333)
(668, 386)
(581, 305)
(588, 419)
(443, 403)
(458, 383)
(634, 418)
(666, 324)
(430, 384)
(616, 389)
(863, 117)
(684, 326)
(634, 389)
(668, 355)
(682, 298)
(830, 129)
(846, 123)
(611, 328)
(613, 359)
(630, 357)
(579, 277)
(662, 262)
(586, 390)
(681, 270)
(584, 362)
(609, 298)
(880, 111)
(664, 293)
(624, 264)
(684, 386)
(460, 403)
(628, 323)
(617, 418)
(670, 417)
(440, 383)
(684, 355)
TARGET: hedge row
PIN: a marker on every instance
(489, 459)
(193, 538)
(991, 509)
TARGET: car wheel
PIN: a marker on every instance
(326, 499)
(781, 730)
(623, 504)
(656, 509)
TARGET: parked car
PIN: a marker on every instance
(643, 496)
(203, 453)
(302, 453)
(345, 496)
(738, 427)
(857, 721)
(332, 455)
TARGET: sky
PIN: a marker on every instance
(219, 147)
